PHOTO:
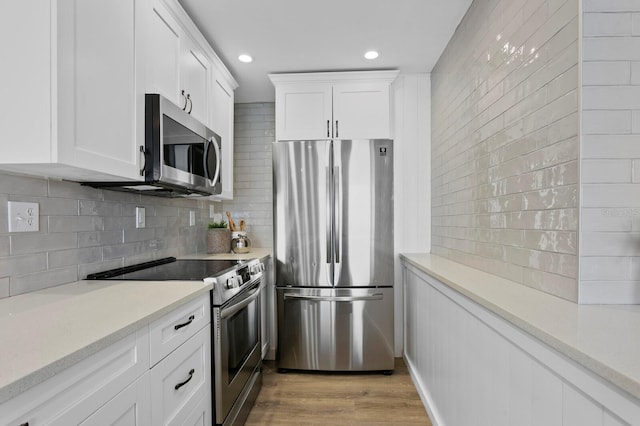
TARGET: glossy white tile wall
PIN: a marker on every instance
(85, 230)
(505, 143)
(254, 130)
(610, 174)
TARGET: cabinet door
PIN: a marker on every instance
(195, 70)
(131, 407)
(97, 87)
(222, 123)
(163, 43)
(361, 110)
(303, 111)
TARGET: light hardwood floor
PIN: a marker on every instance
(296, 398)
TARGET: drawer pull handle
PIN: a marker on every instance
(179, 385)
(184, 324)
(25, 424)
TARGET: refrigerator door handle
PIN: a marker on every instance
(338, 212)
(372, 296)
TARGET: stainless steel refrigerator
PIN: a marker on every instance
(333, 228)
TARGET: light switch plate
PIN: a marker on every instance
(24, 217)
(192, 218)
(140, 217)
(212, 212)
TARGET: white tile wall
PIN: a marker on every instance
(85, 230)
(253, 191)
(610, 211)
(505, 142)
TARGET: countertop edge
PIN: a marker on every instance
(45, 372)
(601, 369)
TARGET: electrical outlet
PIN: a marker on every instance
(140, 217)
(24, 217)
(212, 212)
(192, 218)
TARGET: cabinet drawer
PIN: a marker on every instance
(131, 407)
(72, 395)
(181, 380)
(175, 328)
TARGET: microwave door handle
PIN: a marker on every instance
(214, 180)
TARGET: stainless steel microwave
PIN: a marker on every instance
(182, 156)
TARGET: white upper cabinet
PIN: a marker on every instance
(71, 108)
(78, 73)
(222, 110)
(303, 111)
(177, 67)
(343, 105)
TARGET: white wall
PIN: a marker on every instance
(412, 168)
(610, 167)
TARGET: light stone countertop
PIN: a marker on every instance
(45, 332)
(602, 338)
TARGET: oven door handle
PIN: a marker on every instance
(253, 295)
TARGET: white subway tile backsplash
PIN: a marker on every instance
(606, 73)
(606, 171)
(83, 230)
(610, 214)
(40, 280)
(253, 191)
(599, 122)
(505, 143)
(606, 24)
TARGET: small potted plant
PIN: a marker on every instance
(218, 238)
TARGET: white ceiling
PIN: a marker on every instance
(327, 35)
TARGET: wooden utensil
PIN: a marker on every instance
(232, 225)
(243, 225)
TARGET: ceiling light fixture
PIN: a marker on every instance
(372, 54)
(245, 58)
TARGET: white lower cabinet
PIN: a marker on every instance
(74, 394)
(131, 407)
(181, 380)
(471, 367)
(119, 386)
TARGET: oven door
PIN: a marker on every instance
(237, 352)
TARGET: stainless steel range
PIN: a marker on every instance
(235, 300)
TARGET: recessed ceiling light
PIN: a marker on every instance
(245, 58)
(372, 54)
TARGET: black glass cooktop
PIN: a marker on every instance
(167, 269)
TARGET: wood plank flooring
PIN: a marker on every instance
(296, 398)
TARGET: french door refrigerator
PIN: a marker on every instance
(333, 229)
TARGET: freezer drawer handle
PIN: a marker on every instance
(184, 324)
(374, 296)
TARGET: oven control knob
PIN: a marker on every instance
(232, 282)
(257, 268)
